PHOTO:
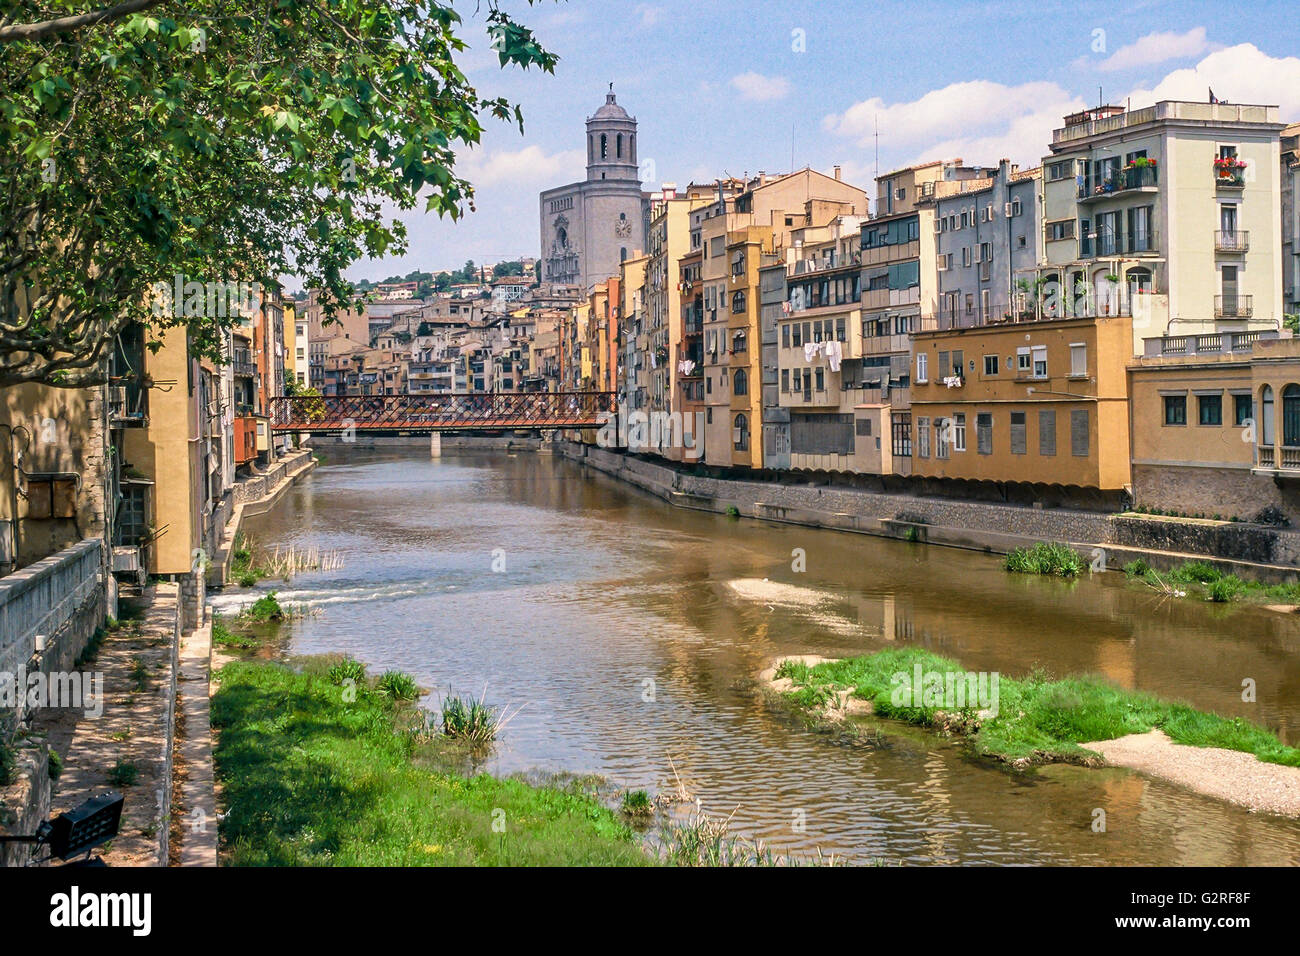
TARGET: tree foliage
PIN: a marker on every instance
(220, 141)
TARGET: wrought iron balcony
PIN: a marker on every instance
(1234, 306)
(1134, 177)
(1237, 240)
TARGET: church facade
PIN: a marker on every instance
(589, 227)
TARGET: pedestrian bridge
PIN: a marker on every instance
(439, 411)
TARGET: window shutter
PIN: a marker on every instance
(1047, 432)
(1018, 440)
(1079, 433)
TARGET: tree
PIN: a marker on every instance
(515, 268)
(198, 147)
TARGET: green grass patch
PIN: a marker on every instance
(1038, 717)
(223, 636)
(1203, 580)
(1046, 558)
(312, 780)
(123, 774)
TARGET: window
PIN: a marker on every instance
(990, 365)
(740, 433)
(1018, 435)
(1291, 416)
(1175, 409)
(1078, 359)
(1209, 409)
(1061, 229)
(1047, 432)
(820, 377)
(738, 302)
(785, 380)
(984, 433)
(965, 255)
(922, 367)
(785, 336)
(740, 383)
(1039, 353)
(942, 438)
(1266, 418)
(739, 342)
(1079, 441)
(840, 330)
(798, 380)
(901, 433)
(1242, 409)
(923, 437)
(959, 431)
(798, 336)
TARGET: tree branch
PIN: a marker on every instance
(35, 31)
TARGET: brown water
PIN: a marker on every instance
(630, 632)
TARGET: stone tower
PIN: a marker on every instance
(611, 142)
(589, 227)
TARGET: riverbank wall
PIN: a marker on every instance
(1109, 540)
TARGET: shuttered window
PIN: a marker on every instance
(1018, 440)
(923, 437)
(984, 433)
(1047, 432)
(1079, 433)
(821, 434)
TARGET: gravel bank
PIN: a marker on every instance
(1230, 775)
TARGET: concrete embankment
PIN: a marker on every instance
(1110, 540)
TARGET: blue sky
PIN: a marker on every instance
(720, 87)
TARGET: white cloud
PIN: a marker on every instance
(1157, 48)
(1239, 74)
(978, 120)
(648, 15)
(756, 86)
(524, 167)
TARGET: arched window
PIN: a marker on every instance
(604, 146)
(622, 253)
(740, 383)
(619, 146)
(632, 147)
(1266, 416)
(740, 433)
(591, 148)
(738, 302)
(739, 342)
(1291, 416)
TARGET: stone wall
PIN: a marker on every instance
(1229, 492)
(1248, 549)
(25, 803)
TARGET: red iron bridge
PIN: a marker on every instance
(440, 411)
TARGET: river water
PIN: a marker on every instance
(630, 631)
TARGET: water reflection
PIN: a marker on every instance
(630, 631)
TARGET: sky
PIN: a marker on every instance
(725, 87)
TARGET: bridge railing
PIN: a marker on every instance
(439, 411)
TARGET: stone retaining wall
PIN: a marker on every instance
(1251, 550)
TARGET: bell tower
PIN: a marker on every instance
(611, 143)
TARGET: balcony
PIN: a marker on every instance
(1118, 244)
(1282, 458)
(1126, 180)
(1229, 173)
(1222, 343)
(1238, 240)
(1234, 306)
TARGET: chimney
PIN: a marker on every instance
(837, 174)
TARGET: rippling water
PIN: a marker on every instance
(628, 631)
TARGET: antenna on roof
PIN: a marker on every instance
(876, 121)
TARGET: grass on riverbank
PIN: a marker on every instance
(1037, 717)
(311, 780)
(1046, 558)
(1201, 579)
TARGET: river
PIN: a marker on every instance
(629, 632)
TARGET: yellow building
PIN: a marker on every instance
(1042, 403)
(1216, 429)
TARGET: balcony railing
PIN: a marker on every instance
(1284, 457)
(1217, 342)
(1118, 244)
(1136, 177)
(1234, 306)
(1238, 240)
